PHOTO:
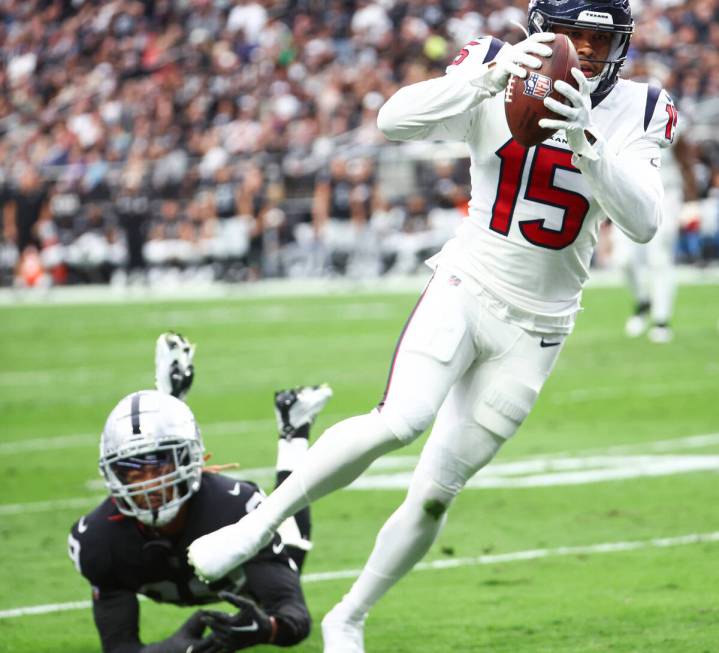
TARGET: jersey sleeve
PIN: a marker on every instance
(661, 118)
(626, 182)
(90, 554)
(476, 53)
(444, 108)
(117, 619)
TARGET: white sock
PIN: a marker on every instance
(664, 288)
(338, 457)
(403, 541)
(291, 453)
(638, 281)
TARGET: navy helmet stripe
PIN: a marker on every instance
(494, 47)
(135, 413)
(652, 99)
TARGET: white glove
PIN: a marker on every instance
(510, 61)
(578, 116)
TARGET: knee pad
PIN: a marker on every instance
(446, 466)
(503, 407)
(407, 422)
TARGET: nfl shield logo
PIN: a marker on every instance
(537, 86)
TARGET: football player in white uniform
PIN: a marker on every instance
(505, 292)
(649, 268)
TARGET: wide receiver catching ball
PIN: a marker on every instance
(524, 98)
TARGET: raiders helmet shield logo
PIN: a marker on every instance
(537, 86)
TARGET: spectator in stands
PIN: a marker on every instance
(345, 197)
(132, 206)
(26, 207)
(127, 102)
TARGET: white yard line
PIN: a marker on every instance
(49, 506)
(557, 471)
(188, 293)
(244, 426)
(650, 390)
(451, 563)
(500, 474)
(92, 439)
(274, 289)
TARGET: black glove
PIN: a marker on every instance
(232, 632)
(187, 638)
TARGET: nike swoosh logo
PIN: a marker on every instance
(235, 491)
(656, 162)
(246, 629)
(544, 343)
(277, 548)
(81, 526)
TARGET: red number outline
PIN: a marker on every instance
(513, 157)
(540, 189)
(671, 122)
(463, 54)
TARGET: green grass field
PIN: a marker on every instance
(609, 455)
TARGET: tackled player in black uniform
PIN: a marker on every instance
(161, 499)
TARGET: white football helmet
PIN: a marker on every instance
(151, 429)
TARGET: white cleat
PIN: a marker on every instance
(216, 554)
(635, 326)
(660, 335)
(174, 370)
(340, 633)
(298, 407)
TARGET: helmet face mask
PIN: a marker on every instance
(151, 456)
(612, 16)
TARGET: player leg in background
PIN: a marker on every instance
(435, 350)
(481, 412)
(633, 257)
(295, 411)
(651, 275)
(662, 270)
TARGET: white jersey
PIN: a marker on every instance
(535, 212)
(672, 177)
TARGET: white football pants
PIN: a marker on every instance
(486, 375)
(478, 374)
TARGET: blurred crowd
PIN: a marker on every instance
(236, 139)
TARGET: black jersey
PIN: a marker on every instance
(120, 556)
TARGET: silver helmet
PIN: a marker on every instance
(146, 430)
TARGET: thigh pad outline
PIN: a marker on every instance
(504, 406)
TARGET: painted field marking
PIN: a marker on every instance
(49, 506)
(214, 429)
(394, 472)
(499, 558)
(552, 472)
(265, 289)
(648, 390)
(79, 440)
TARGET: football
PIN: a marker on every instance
(524, 98)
